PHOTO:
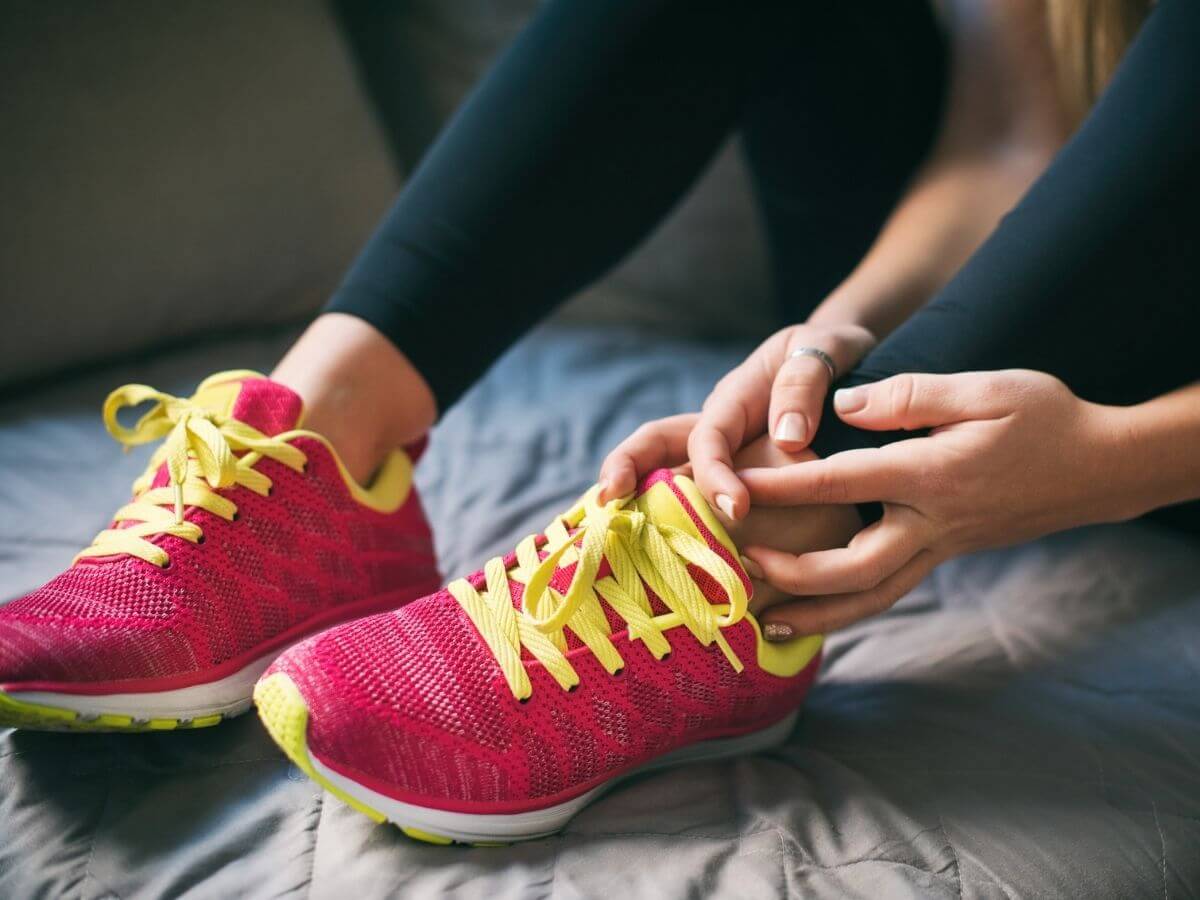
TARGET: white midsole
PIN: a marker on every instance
(228, 697)
(472, 827)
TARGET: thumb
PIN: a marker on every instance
(914, 401)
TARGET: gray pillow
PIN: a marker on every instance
(168, 169)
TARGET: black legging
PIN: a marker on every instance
(604, 112)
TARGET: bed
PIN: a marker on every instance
(1025, 724)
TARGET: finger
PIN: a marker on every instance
(853, 476)
(873, 555)
(737, 403)
(735, 411)
(710, 451)
(802, 382)
(820, 615)
(655, 445)
(912, 401)
(797, 395)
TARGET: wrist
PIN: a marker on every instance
(1113, 466)
(836, 311)
(874, 299)
(1155, 457)
(1136, 472)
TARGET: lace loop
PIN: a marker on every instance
(201, 455)
(640, 553)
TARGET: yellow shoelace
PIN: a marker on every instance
(637, 550)
(200, 451)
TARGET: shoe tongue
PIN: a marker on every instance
(674, 500)
(252, 399)
(259, 402)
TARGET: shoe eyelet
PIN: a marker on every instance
(523, 700)
(270, 490)
(167, 565)
(573, 688)
(201, 539)
(617, 673)
(666, 656)
(235, 517)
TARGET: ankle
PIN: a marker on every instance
(796, 530)
(336, 412)
(359, 391)
(790, 529)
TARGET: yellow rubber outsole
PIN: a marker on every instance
(38, 717)
(285, 715)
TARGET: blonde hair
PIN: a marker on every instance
(1089, 37)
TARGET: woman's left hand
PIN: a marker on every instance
(1013, 455)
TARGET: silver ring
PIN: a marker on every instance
(817, 353)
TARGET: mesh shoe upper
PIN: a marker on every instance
(413, 704)
(288, 562)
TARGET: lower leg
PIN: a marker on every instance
(439, 280)
(359, 391)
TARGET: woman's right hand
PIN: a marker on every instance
(773, 392)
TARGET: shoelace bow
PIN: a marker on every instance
(201, 452)
(639, 552)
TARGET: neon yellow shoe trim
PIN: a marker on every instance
(787, 658)
(18, 714)
(418, 835)
(390, 487)
(285, 715)
(40, 717)
(642, 550)
(113, 720)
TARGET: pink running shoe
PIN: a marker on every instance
(496, 709)
(244, 536)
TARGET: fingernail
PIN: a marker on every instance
(725, 504)
(753, 569)
(849, 400)
(602, 486)
(791, 427)
(778, 631)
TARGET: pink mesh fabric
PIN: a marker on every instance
(267, 405)
(412, 704)
(307, 556)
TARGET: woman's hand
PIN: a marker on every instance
(663, 443)
(1013, 455)
(658, 444)
(771, 388)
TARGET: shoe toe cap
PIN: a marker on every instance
(404, 701)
